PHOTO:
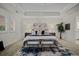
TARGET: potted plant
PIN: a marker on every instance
(61, 29)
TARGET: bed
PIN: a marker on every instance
(42, 45)
(39, 41)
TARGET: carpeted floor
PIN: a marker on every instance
(72, 46)
(12, 49)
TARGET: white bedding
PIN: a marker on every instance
(40, 37)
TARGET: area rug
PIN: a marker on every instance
(54, 51)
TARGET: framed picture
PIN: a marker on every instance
(67, 26)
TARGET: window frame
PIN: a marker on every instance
(11, 18)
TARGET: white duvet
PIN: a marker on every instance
(40, 37)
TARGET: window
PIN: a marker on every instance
(77, 25)
(2, 23)
(12, 24)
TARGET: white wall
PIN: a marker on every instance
(70, 17)
(50, 20)
(9, 37)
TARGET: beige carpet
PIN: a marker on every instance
(12, 49)
(72, 46)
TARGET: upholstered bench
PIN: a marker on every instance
(32, 43)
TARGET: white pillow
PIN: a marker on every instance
(33, 42)
(47, 42)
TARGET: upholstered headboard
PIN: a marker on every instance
(27, 34)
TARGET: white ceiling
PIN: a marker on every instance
(43, 6)
(34, 9)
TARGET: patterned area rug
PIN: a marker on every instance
(54, 51)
